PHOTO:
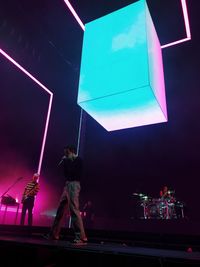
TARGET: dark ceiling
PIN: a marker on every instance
(46, 28)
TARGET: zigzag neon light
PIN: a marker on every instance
(187, 27)
(49, 107)
(75, 14)
(185, 16)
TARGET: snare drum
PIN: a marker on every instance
(153, 211)
(158, 209)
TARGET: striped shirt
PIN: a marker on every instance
(31, 190)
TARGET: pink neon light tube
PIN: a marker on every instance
(75, 14)
(185, 16)
(187, 27)
(49, 107)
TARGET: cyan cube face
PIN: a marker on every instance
(121, 79)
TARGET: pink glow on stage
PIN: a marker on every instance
(187, 27)
(75, 14)
(48, 196)
(11, 209)
(49, 107)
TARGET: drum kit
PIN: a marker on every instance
(160, 208)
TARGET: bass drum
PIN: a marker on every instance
(153, 211)
(180, 210)
(163, 209)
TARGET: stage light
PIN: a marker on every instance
(121, 81)
(138, 120)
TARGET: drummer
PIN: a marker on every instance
(167, 196)
(165, 193)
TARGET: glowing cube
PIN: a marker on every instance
(121, 81)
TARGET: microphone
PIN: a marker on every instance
(61, 161)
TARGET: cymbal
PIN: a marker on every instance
(171, 191)
(138, 194)
(145, 198)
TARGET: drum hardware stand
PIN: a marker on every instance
(167, 210)
(182, 212)
(145, 211)
(144, 204)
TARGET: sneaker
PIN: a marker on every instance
(50, 237)
(78, 241)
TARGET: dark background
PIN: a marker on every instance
(46, 40)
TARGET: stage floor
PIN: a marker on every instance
(17, 244)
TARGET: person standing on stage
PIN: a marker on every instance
(72, 167)
(28, 199)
